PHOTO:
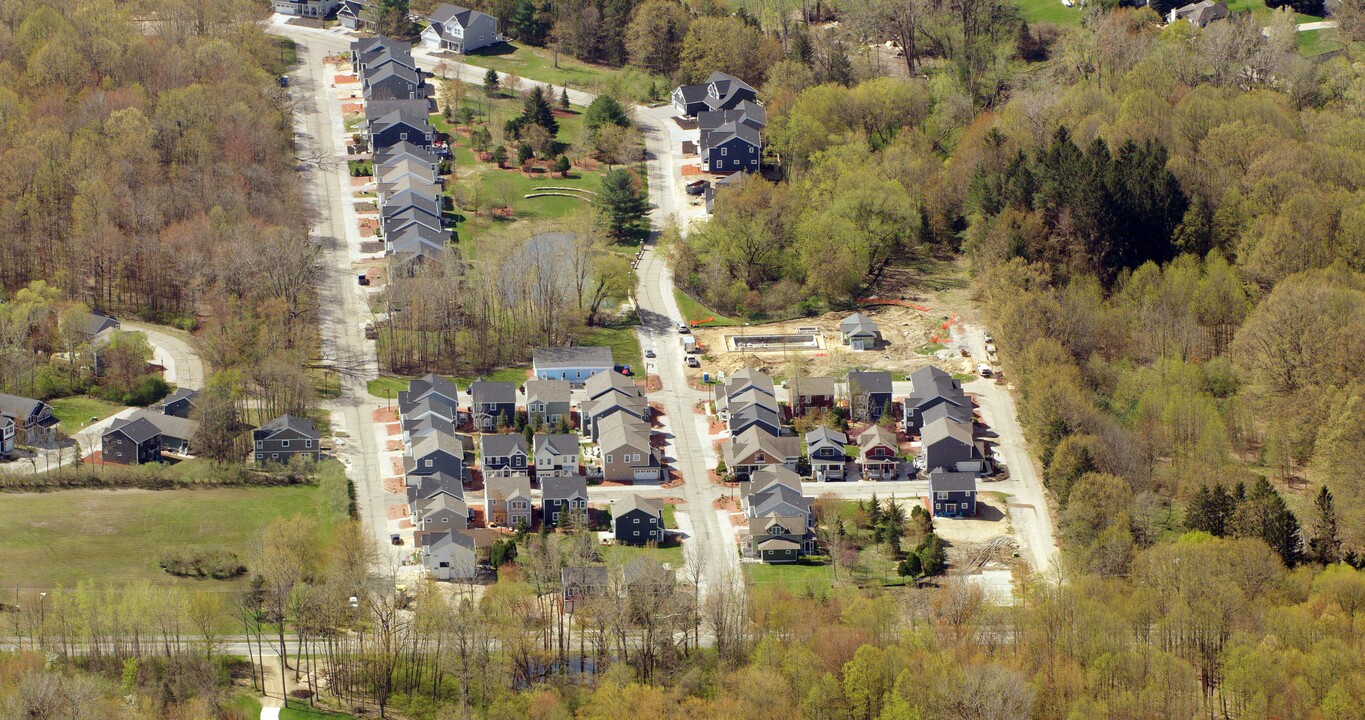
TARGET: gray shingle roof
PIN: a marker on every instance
(563, 488)
(548, 391)
(168, 425)
(942, 480)
(559, 444)
(299, 425)
(858, 324)
(869, 381)
(578, 356)
(502, 445)
(946, 428)
(877, 435)
(651, 506)
(487, 391)
(603, 383)
(139, 430)
(823, 435)
(504, 488)
(462, 16)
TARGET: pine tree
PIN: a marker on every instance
(874, 512)
(524, 154)
(801, 48)
(500, 155)
(562, 166)
(620, 199)
(1264, 515)
(490, 82)
(536, 111)
(1326, 542)
(564, 99)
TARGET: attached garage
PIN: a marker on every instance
(647, 474)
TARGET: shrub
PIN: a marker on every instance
(191, 561)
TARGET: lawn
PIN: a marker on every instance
(693, 311)
(386, 386)
(614, 554)
(670, 516)
(1048, 11)
(796, 577)
(61, 538)
(1262, 12)
(297, 710)
(538, 64)
(625, 346)
(1317, 42)
(75, 412)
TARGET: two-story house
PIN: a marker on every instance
(948, 444)
(555, 455)
(560, 496)
(826, 449)
(131, 442)
(953, 493)
(285, 437)
(460, 30)
(435, 453)
(547, 402)
(809, 394)
(507, 500)
(394, 81)
(8, 432)
(440, 513)
(33, 420)
(638, 520)
(780, 521)
(869, 395)
(317, 9)
(504, 455)
(721, 91)
(878, 453)
(932, 388)
(449, 555)
(492, 405)
(627, 455)
(180, 403)
(755, 449)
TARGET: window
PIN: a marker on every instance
(952, 507)
(941, 495)
(275, 456)
(608, 459)
(259, 456)
(938, 506)
(308, 444)
(284, 443)
(402, 136)
(445, 519)
(428, 462)
(259, 445)
(636, 521)
(554, 517)
(759, 457)
(724, 152)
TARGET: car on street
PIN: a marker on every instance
(396, 539)
(693, 362)
(362, 279)
(984, 370)
(683, 329)
(650, 353)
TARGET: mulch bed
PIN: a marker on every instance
(727, 504)
(353, 108)
(397, 465)
(393, 445)
(716, 427)
(675, 479)
(342, 79)
(405, 524)
(617, 483)
(385, 415)
(691, 170)
(393, 429)
(396, 512)
(395, 486)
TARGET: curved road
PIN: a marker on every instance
(173, 350)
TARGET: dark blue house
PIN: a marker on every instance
(953, 494)
(730, 140)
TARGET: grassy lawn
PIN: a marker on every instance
(614, 554)
(625, 346)
(796, 576)
(1317, 42)
(75, 412)
(538, 64)
(386, 386)
(513, 375)
(670, 516)
(1048, 11)
(61, 538)
(694, 311)
(1262, 12)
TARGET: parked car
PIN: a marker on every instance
(693, 362)
(284, 81)
(649, 353)
(396, 539)
(984, 369)
(683, 329)
(362, 279)
(370, 332)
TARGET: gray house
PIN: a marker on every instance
(366, 49)
(721, 91)
(428, 387)
(492, 404)
(859, 332)
(422, 488)
(449, 555)
(547, 401)
(441, 512)
(180, 403)
(949, 445)
(131, 442)
(507, 501)
(504, 455)
(560, 496)
(351, 15)
(780, 522)
(869, 395)
(637, 520)
(176, 432)
(555, 455)
(459, 29)
(1200, 13)
(731, 140)
(953, 493)
(435, 453)
(394, 81)
(285, 437)
(827, 452)
(399, 125)
(8, 432)
(423, 157)
(575, 364)
(754, 449)
(932, 388)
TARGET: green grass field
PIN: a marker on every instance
(75, 412)
(614, 554)
(625, 346)
(61, 538)
(1048, 11)
(796, 577)
(692, 310)
(1316, 42)
(538, 64)
(670, 516)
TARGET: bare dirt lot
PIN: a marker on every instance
(907, 344)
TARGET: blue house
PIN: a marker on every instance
(730, 140)
(574, 364)
(952, 493)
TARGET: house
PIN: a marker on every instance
(755, 449)
(410, 217)
(575, 364)
(953, 493)
(440, 513)
(869, 395)
(627, 454)
(415, 430)
(859, 332)
(434, 407)
(504, 455)
(449, 555)
(366, 49)
(94, 325)
(460, 30)
(430, 387)
(420, 157)
(577, 584)
(179, 403)
(351, 15)
(931, 388)
(421, 488)
(8, 431)
(768, 480)
(285, 437)
(605, 383)
(547, 401)
(435, 453)
(404, 181)
(594, 412)
(408, 260)
(731, 140)
(878, 453)
(780, 522)
(638, 521)
(720, 92)
(33, 419)
(507, 500)
(394, 81)
(560, 496)
(492, 404)
(555, 455)
(761, 414)
(723, 183)
(404, 124)
(416, 243)
(826, 449)
(808, 394)
(741, 388)
(396, 204)
(305, 8)
(385, 57)
(131, 442)
(1200, 13)
(176, 432)
(688, 100)
(949, 445)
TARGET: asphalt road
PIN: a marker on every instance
(173, 350)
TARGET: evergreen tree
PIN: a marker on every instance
(1210, 510)
(524, 154)
(564, 99)
(1326, 542)
(621, 201)
(1264, 515)
(932, 555)
(603, 110)
(874, 512)
(536, 111)
(500, 155)
(801, 48)
(491, 83)
(562, 166)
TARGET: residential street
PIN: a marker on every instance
(172, 350)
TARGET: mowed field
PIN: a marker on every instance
(61, 538)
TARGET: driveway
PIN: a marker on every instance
(173, 350)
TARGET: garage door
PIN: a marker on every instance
(647, 474)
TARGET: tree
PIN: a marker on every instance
(562, 166)
(622, 203)
(536, 110)
(1264, 515)
(616, 145)
(500, 155)
(604, 110)
(524, 154)
(491, 82)
(729, 45)
(1326, 540)
(1210, 510)
(655, 35)
(453, 94)
(564, 99)
(391, 17)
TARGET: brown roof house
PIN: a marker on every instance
(627, 454)
(755, 449)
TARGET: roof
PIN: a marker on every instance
(955, 413)
(401, 201)
(461, 15)
(942, 480)
(824, 434)
(636, 406)
(168, 425)
(438, 442)
(602, 383)
(725, 86)
(751, 396)
(778, 543)
(392, 69)
(94, 323)
(560, 444)
(19, 408)
(944, 428)
(877, 435)
(578, 356)
(432, 383)
(379, 43)
(429, 424)
(303, 426)
(728, 131)
(737, 381)
(631, 503)
(811, 386)
(589, 576)
(1202, 13)
(406, 166)
(562, 488)
(858, 324)
(487, 391)
(756, 438)
(771, 475)
(433, 542)
(385, 156)
(621, 430)
(409, 215)
(692, 93)
(423, 487)
(139, 430)
(180, 394)
(502, 445)
(780, 502)
(870, 381)
(443, 501)
(505, 488)
(754, 414)
(548, 391)
(433, 405)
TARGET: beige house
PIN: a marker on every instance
(626, 452)
(756, 448)
(507, 500)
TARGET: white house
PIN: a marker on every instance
(460, 29)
